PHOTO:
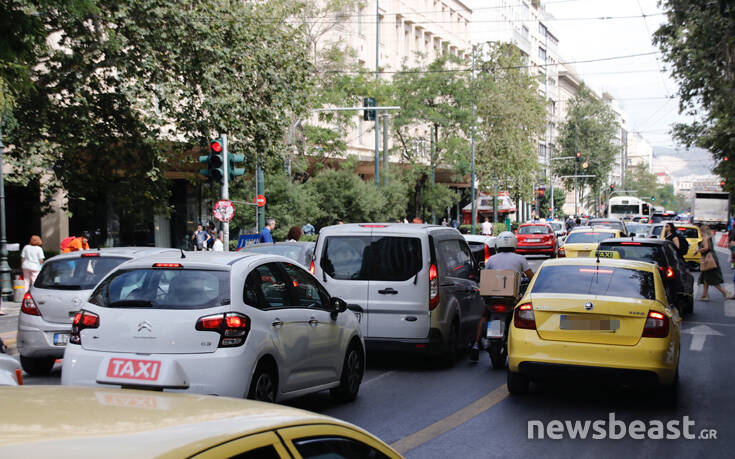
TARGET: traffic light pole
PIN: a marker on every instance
(6, 289)
(226, 192)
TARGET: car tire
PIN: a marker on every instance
(264, 384)
(37, 366)
(450, 355)
(353, 370)
(497, 355)
(668, 394)
(517, 383)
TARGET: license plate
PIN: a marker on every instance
(496, 329)
(533, 240)
(583, 253)
(60, 339)
(577, 323)
(136, 369)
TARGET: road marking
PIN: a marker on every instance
(699, 336)
(714, 324)
(730, 308)
(380, 376)
(450, 422)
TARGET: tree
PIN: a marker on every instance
(697, 43)
(511, 119)
(644, 185)
(544, 203)
(131, 89)
(591, 128)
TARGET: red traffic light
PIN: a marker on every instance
(215, 146)
(722, 183)
(726, 158)
(579, 154)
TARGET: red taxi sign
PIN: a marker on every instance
(138, 369)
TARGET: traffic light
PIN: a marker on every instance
(368, 115)
(540, 191)
(214, 161)
(232, 168)
(653, 198)
(726, 158)
(722, 183)
(578, 156)
(612, 187)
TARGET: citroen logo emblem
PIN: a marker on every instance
(145, 325)
(588, 306)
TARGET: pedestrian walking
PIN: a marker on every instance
(219, 245)
(201, 238)
(31, 259)
(486, 228)
(710, 272)
(294, 234)
(445, 222)
(266, 235)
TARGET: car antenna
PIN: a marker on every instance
(182, 253)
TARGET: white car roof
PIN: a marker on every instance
(131, 252)
(387, 228)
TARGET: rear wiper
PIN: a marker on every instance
(62, 287)
(124, 303)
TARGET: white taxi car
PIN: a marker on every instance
(233, 324)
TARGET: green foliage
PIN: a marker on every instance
(697, 43)
(591, 128)
(643, 184)
(545, 202)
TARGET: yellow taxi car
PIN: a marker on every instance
(603, 318)
(693, 237)
(581, 242)
(80, 422)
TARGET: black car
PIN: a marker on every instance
(678, 281)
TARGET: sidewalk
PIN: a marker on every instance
(9, 324)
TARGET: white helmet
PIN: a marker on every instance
(506, 239)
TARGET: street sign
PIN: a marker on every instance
(259, 200)
(223, 210)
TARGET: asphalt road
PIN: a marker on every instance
(429, 412)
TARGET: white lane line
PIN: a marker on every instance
(730, 308)
(699, 336)
(380, 376)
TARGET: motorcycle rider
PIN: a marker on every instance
(505, 258)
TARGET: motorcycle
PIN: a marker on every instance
(496, 334)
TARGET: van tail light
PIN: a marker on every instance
(28, 306)
(657, 325)
(433, 288)
(487, 253)
(312, 268)
(83, 319)
(524, 318)
(232, 327)
(499, 308)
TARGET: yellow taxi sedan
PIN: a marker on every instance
(80, 422)
(693, 237)
(581, 242)
(602, 318)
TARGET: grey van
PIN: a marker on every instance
(414, 287)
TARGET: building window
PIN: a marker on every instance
(542, 53)
(524, 30)
(542, 30)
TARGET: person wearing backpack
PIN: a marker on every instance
(681, 243)
(74, 244)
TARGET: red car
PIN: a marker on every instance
(536, 238)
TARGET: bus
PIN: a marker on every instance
(627, 207)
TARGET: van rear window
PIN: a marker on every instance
(385, 258)
(163, 289)
(593, 280)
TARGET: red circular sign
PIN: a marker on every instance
(223, 210)
(259, 200)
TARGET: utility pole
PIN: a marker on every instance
(5, 285)
(259, 189)
(472, 140)
(226, 191)
(495, 197)
(386, 154)
(377, 77)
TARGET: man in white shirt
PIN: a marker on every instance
(486, 228)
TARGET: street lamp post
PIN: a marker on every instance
(5, 285)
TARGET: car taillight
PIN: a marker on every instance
(657, 325)
(499, 308)
(28, 306)
(312, 268)
(232, 327)
(83, 319)
(433, 288)
(524, 318)
(562, 252)
(487, 253)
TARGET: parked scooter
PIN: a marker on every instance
(501, 313)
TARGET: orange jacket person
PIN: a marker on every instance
(79, 243)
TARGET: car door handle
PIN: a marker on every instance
(277, 323)
(388, 291)
(313, 322)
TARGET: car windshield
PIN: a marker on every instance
(593, 280)
(636, 251)
(587, 237)
(689, 233)
(533, 229)
(656, 230)
(78, 273)
(607, 223)
(637, 228)
(295, 252)
(556, 226)
(164, 289)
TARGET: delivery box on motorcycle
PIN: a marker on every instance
(499, 282)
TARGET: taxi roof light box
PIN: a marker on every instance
(499, 282)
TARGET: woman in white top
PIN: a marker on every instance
(219, 245)
(31, 259)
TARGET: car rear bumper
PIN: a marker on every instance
(529, 354)
(225, 372)
(434, 344)
(535, 249)
(36, 337)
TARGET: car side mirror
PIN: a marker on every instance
(338, 305)
(631, 234)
